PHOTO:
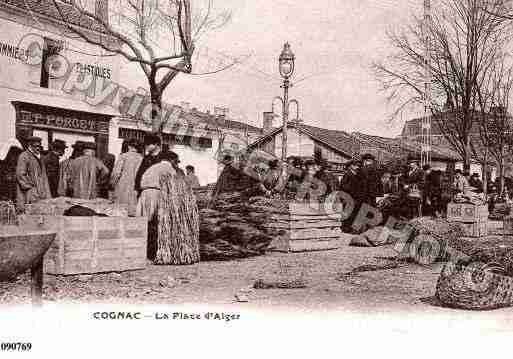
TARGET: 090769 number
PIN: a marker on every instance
(19, 347)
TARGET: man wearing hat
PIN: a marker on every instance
(122, 178)
(414, 182)
(87, 172)
(370, 184)
(51, 162)
(350, 184)
(31, 178)
(64, 189)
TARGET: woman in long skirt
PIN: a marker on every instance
(170, 206)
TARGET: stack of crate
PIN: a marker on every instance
(305, 227)
(473, 217)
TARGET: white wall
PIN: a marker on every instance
(298, 144)
(19, 77)
(204, 162)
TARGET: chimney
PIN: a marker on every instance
(268, 122)
(101, 10)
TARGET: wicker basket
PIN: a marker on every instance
(473, 287)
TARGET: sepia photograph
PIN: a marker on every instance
(248, 178)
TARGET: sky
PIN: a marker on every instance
(334, 41)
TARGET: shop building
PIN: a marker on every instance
(34, 99)
(46, 101)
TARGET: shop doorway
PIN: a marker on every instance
(70, 138)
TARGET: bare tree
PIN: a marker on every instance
(464, 38)
(159, 36)
(495, 124)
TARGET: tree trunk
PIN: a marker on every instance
(501, 177)
(156, 112)
(485, 174)
(466, 160)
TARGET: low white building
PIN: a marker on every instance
(65, 99)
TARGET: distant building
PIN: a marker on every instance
(336, 147)
(412, 132)
(196, 137)
(386, 149)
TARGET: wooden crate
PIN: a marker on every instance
(476, 229)
(284, 244)
(306, 228)
(467, 213)
(93, 244)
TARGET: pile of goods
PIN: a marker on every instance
(232, 228)
(372, 238)
(482, 278)
(430, 238)
(470, 197)
(58, 207)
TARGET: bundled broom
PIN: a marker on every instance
(178, 222)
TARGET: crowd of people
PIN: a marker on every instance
(147, 179)
(404, 193)
(150, 184)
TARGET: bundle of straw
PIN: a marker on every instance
(178, 222)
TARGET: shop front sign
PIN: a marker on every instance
(46, 117)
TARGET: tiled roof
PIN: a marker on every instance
(47, 8)
(213, 123)
(351, 144)
(340, 141)
(402, 147)
(222, 122)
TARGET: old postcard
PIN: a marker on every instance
(293, 178)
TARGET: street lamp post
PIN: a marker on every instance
(286, 66)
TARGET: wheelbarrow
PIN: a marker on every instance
(22, 249)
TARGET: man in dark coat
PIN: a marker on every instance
(476, 182)
(370, 180)
(108, 160)
(87, 172)
(64, 188)
(51, 162)
(428, 187)
(414, 180)
(351, 185)
(31, 175)
(325, 176)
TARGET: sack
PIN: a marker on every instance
(81, 211)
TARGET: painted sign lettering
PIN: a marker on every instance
(55, 121)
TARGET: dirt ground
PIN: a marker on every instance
(408, 287)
